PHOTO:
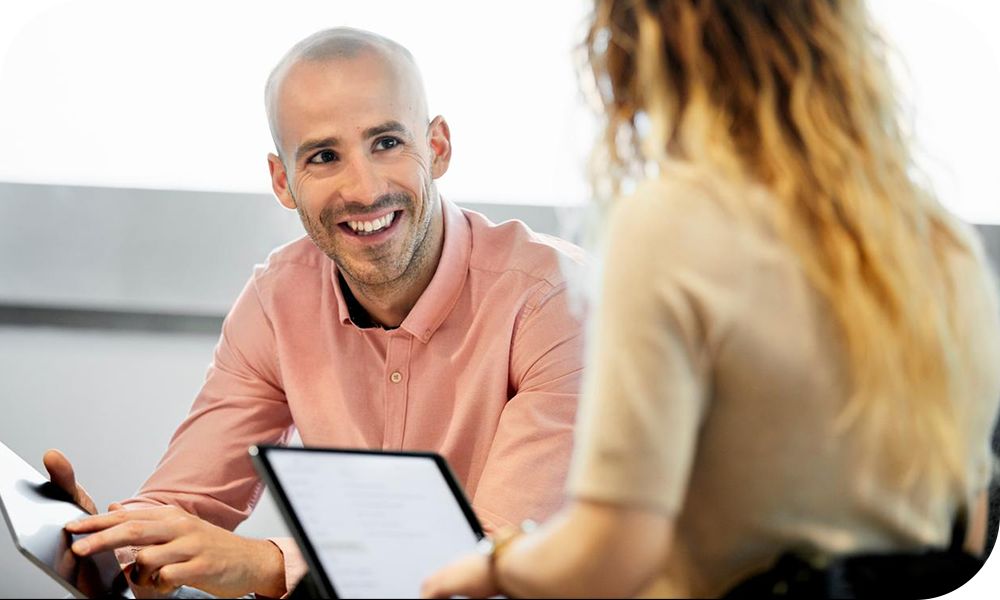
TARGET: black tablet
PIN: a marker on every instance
(36, 511)
(371, 524)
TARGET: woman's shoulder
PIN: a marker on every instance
(677, 187)
(693, 228)
(701, 192)
(696, 205)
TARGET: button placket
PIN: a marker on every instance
(396, 365)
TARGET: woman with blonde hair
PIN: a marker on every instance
(794, 348)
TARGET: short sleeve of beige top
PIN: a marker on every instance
(716, 378)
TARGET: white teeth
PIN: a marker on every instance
(370, 226)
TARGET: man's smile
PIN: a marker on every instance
(373, 228)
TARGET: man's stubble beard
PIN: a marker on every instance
(323, 234)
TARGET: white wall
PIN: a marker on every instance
(169, 95)
(949, 71)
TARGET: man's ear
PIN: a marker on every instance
(279, 181)
(439, 139)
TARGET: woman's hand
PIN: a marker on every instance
(469, 576)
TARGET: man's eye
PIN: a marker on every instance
(324, 157)
(387, 143)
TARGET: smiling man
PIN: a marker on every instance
(400, 322)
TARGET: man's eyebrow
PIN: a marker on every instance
(309, 145)
(330, 142)
(387, 127)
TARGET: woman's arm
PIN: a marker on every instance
(589, 549)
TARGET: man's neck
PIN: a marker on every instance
(378, 307)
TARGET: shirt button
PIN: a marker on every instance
(395, 377)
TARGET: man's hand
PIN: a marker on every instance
(61, 473)
(181, 549)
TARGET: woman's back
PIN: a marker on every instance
(726, 401)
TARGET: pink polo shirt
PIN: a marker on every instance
(485, 370)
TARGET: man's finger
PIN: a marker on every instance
(115, 517)
(60, 470)
(61, 473)
(131, 533)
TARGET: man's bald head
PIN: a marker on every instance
(343, 43)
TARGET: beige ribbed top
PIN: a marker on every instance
(715, 377)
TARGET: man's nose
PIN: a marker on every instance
(361, 183)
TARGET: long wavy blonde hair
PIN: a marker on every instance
(796, 95)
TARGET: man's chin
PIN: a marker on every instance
(368, 276)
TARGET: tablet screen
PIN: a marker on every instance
(35, 511)
(378, 523)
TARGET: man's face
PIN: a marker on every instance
(359, 164)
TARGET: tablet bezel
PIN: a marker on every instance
(264, 467)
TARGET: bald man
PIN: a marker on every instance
(399, 322)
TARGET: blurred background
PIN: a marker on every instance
(135, 199)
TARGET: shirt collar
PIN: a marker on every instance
(443, 291)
